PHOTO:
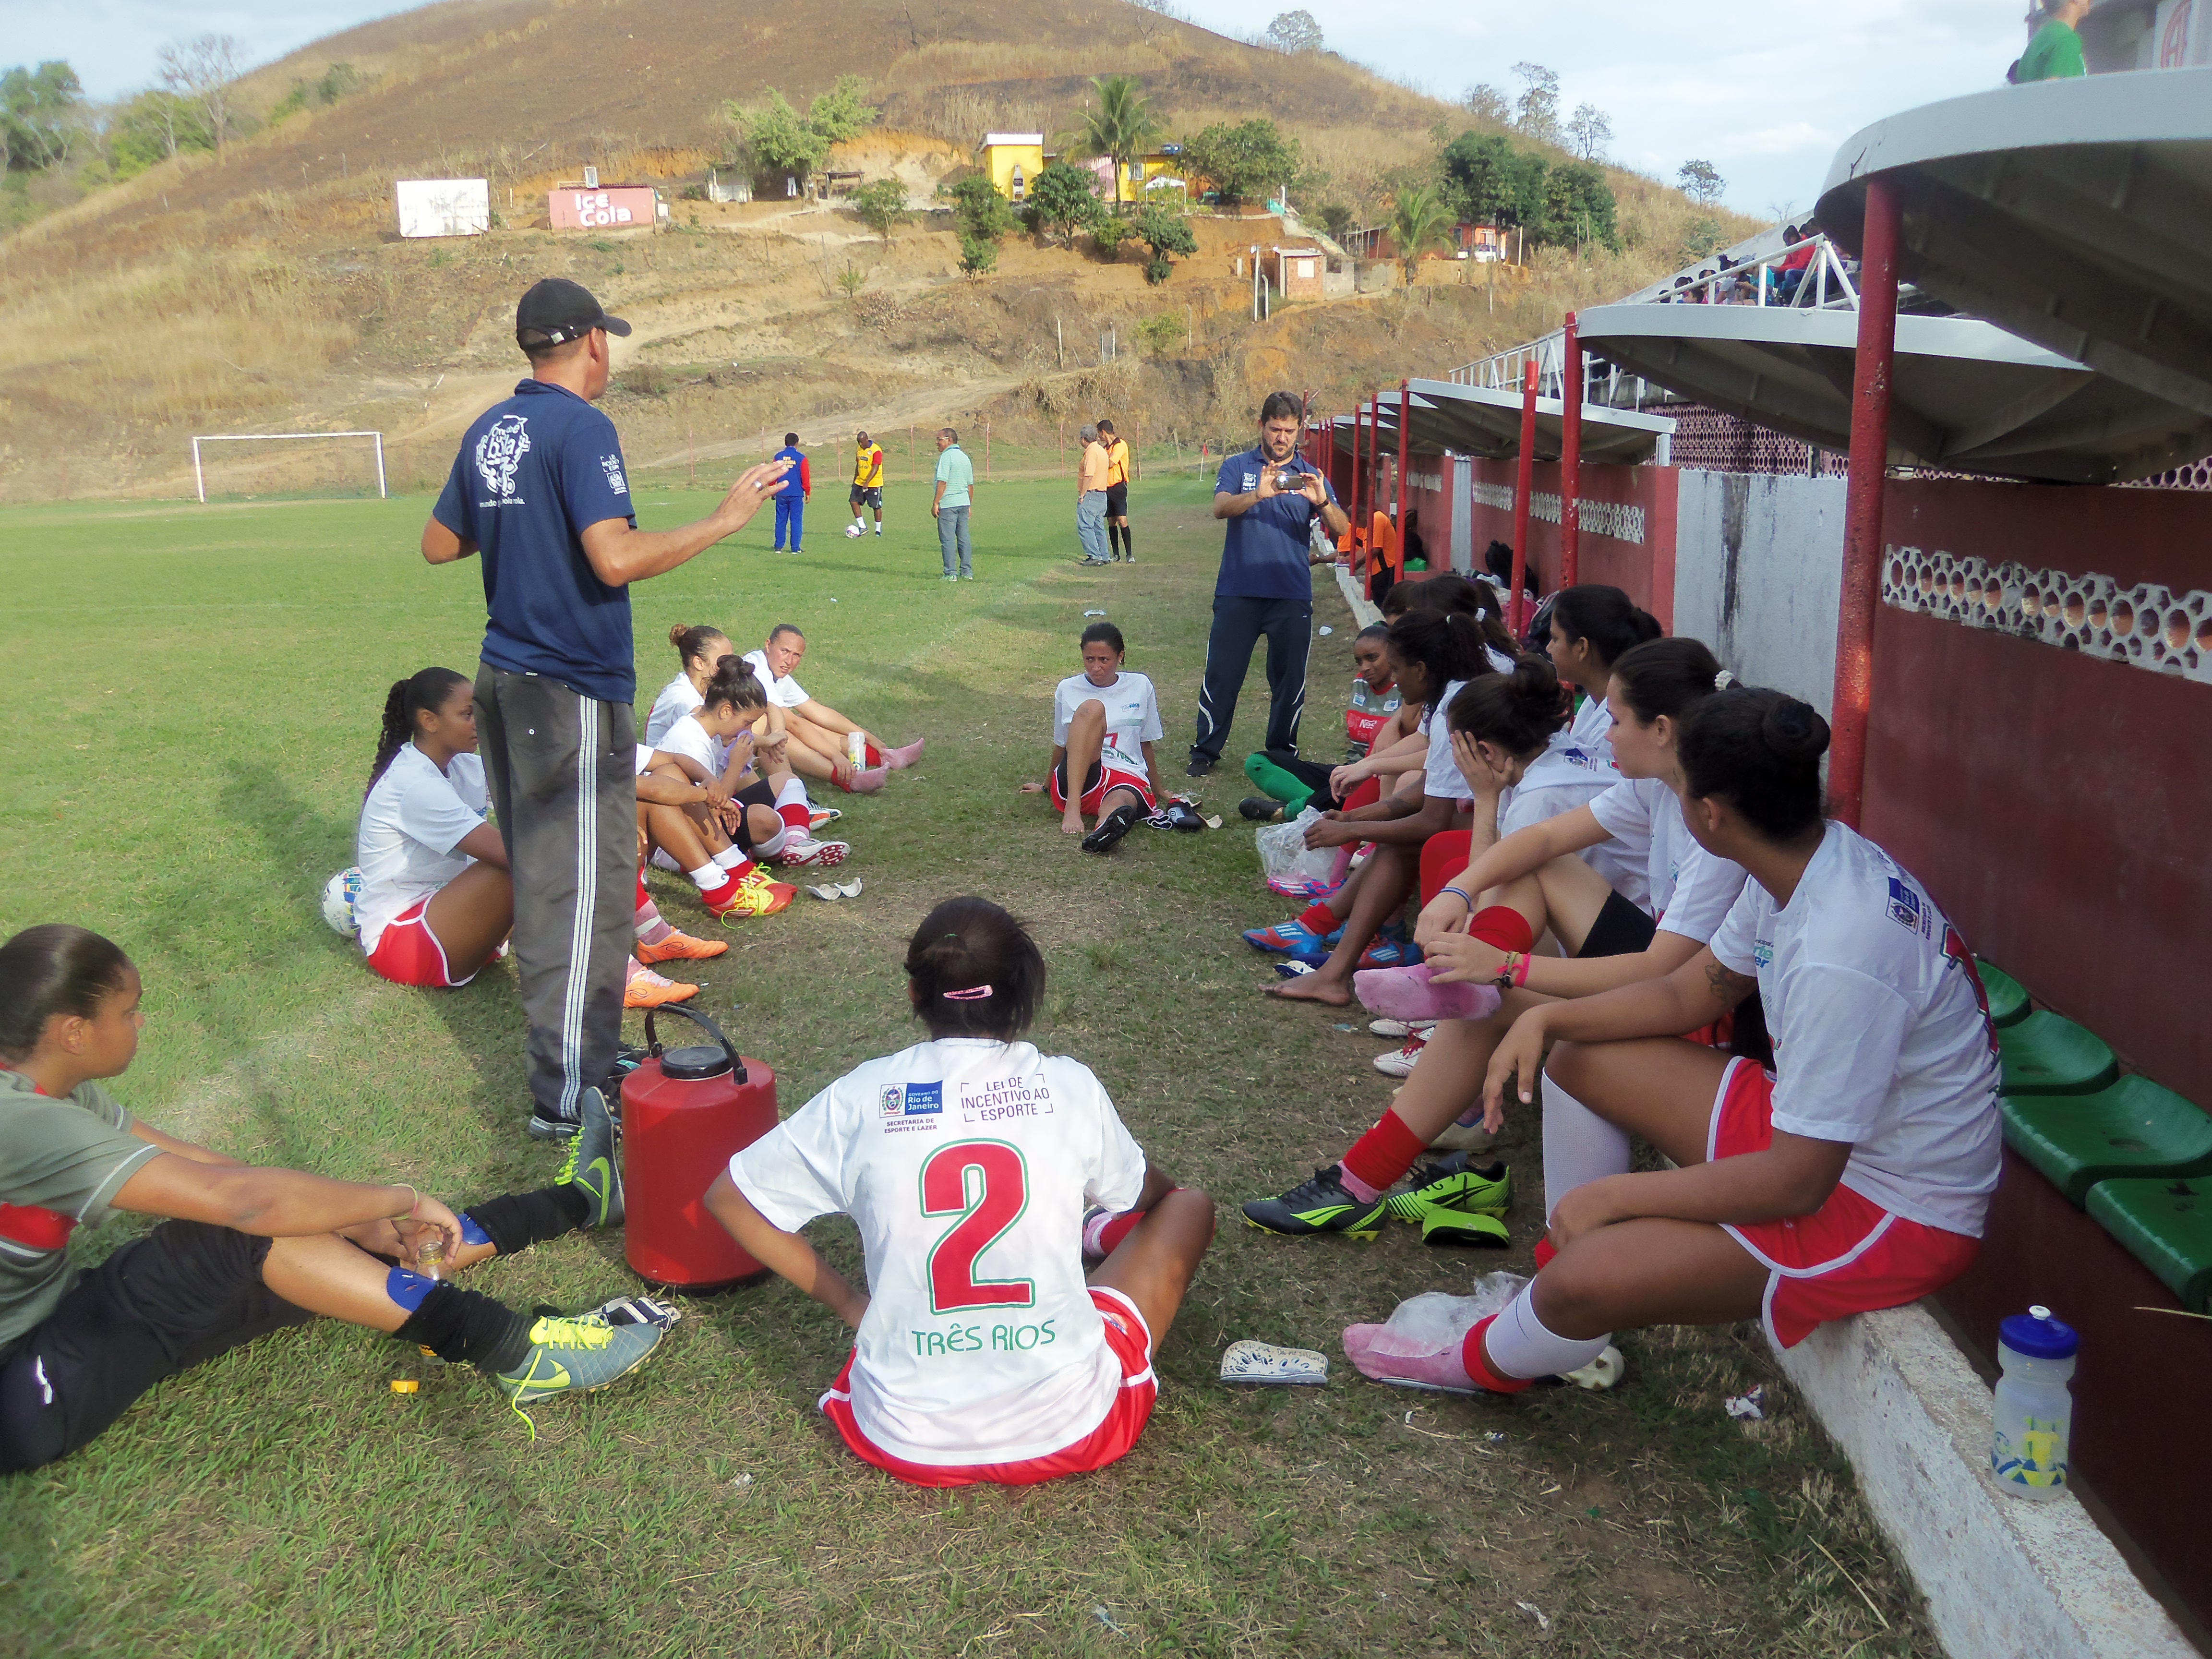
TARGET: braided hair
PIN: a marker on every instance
(424, 692)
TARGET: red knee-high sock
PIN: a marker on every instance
(1502, 926)
(875, 756)
(1384, 1152)
(1104, 1233)
(1320, 919)
(797, 815)
(1545, 1251)
(1478, 1368)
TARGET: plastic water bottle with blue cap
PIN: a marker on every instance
(2035, 1409)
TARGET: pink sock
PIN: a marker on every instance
(651, 929)
(1343, 866)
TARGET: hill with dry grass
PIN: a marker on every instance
(267, 289)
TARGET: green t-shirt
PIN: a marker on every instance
(957, 473)
(2053, 54)
(62, 1162)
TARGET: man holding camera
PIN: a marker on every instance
(1270, 496)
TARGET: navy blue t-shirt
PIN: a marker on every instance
(1264, 554)
(533, 474)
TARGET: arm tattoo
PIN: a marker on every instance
(1728, 986)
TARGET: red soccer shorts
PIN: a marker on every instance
(1131, 1343)
(1097, 783)
(407, 953)
(1849, 1256)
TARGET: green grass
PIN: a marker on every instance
(193, 699)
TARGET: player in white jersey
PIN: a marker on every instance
(436, 901)
(981, 1351)
(1854, 1178)
(1104, 723)
(1592, 626)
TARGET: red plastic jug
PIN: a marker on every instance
(685, 1112)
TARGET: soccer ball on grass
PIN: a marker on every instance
(853, 530)
(339, 896)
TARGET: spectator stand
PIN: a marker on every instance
(2062, 800)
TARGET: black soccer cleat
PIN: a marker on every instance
(1111, 828)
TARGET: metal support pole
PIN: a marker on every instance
(1863, 545)
(1523, 486)
(1359, 462)
(1405, 455)
(1571, 453)
(199, 477)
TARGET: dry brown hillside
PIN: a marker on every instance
(270, 291)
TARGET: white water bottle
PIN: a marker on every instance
(856, 749)
(2035, 1409)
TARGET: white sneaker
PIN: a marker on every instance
(1463, 1138)
(822, 854)
(1401, 1028)
(1399, 1062)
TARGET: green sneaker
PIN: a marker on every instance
(1322, 1205)
(590, 1167)
(575, 1356)
(1440, 1224)
(1455, 1183)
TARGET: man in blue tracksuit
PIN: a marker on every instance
(791, 499)
(1270, 498)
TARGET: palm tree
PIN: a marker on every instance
(1122, 126)
(1419, 222)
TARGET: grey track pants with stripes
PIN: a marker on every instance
(562, 770)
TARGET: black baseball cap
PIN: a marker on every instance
(555, 311)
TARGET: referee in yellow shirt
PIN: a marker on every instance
(867, 485)
(1117, 493)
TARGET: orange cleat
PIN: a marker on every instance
(647, 989)
(680, 947)
(746, 899)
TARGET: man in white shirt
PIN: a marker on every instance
(821, 738)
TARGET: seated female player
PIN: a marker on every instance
(967, 1162)
(1104, 723)
(709, 834)
(437, 902)
(818, 732)
(1287, 786)
(700, 649)
(1433, 654)
(1854, 1177)
(1590, 626)
(754, 788)
(1532, 880)
(245, 1250)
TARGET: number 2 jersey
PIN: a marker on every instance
(967, 1164)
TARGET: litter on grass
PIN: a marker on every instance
(1265, 1366)
(1749, 1406)
(1094, 613)
(405, 1385)
(1326, 632)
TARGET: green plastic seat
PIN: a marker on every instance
(2046, 1055)
(2007, 997)
(2168, 1226)
(2133, 1129)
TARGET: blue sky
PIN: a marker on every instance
(1766, 93)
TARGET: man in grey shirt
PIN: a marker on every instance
(956, 483)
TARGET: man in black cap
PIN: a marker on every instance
(540, 490)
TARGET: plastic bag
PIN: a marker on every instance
(1283, 850)
(1435, 1319)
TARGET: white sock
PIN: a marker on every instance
(662, 861)
(793, 794)
(879, 528)
(1579, 1146)
(708, 878)
(1519, 1345)
(860, 521)
(775, 843)
(733, 858)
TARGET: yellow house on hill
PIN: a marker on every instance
(1013, 161)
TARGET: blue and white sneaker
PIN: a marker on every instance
(1288, 936)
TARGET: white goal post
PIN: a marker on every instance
(199, 472)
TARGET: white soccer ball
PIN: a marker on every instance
(853, 531)
(339, 896)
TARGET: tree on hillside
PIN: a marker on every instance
(779, 138)
(1242, 163)
(1336, 220)
(150, 128)
(838, 114)
(1537, 113)
(202, 70)
(1121, 126)
(1578, 208)
(983, 217)
(1589, 131)
(1064, 199)
(1163, 230)
(1295, 32)
(1701, 182)
(1487, 178)
(1419, 222)
(41, 117)
(881, 205)
(1486, 103)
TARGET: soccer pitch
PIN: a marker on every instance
(191, 718)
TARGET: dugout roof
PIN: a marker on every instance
(1469, 420)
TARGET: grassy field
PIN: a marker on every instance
(192, 709)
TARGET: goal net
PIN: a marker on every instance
(288, 465)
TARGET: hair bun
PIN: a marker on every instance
(676, 633)
(1795, 729)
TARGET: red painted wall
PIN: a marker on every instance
(1644, 571)
(2059, 807)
